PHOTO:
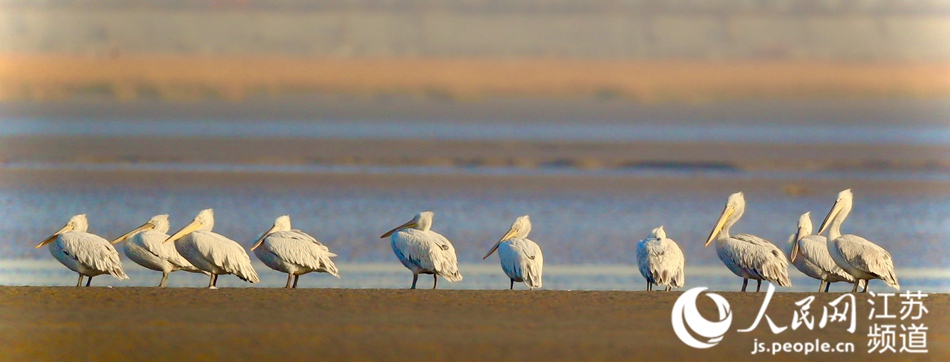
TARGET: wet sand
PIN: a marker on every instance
(330, 324)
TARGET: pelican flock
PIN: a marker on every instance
(859, 257)
(520, 257)
(661, 261)
(196, 248)
(747, 256)
(809, 254)
(424, 251)
(212, 252)
(146, 247)
(293, 252)
(82, 252)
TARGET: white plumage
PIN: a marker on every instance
(212, 252)
(521, 258)
(293, 252)
(424, 251)
(661, 261)
(747, 256)
(82, 252)
(811, 257)
(146, 247)
(859, 257)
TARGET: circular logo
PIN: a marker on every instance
(686, 317)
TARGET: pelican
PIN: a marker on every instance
(293, 252)
(859, 257)
(146, 247)
(212, 252)
(82, 252)
(748, 256)
(809, 253)
(424, 251)
(520, 257)
(661, 260)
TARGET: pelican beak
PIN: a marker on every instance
(726, 213)
(511, 232)
(835, 209)
(146, 226)
(410, 224)
(184, 231)
(53, 237)
(796, 245)
(261, 240)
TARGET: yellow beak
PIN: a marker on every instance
(146, 226)
(511, 232)
(53, 237)
(726, 213)
(184, 231)
(261, 240)
(410, 224)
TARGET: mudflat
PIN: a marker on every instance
(69, 323)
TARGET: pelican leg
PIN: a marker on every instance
(213, 281)
(758, 287)
(512, 287)
(649, 286)
(415, 277)
(827, 284)
(821, 286)
(290, 277)
(435, 280)
(296, 277)
(79, 283)
(866, 282)
(745, 282)
(164, 279)
(855, 289)
(89, 281)
(669, 288)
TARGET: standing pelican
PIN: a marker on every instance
(748, 256)
(859, 257)
(809, 253)
(293, 252)
(424, 251)
(520, 257)
(147, 248)
(82, 252)
(212, 252)
(661, 261)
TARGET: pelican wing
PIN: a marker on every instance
(815, 250)
(299, 248)
(92, 251)
(868, 257)
(427, 251)
(225, 254)
(759, 258)
(521, 259)
(154, 243)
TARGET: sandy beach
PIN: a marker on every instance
(332, 324)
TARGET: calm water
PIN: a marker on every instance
(588, 237)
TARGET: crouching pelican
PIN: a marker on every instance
(424, 251)
(293, 252)
(748, 256)
(859, 257)
(661, 261)
(809, 253)
(212, 252)
(520, 257)
(82, 252)
(146, 247)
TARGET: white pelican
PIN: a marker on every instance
(146, 247)
(748, 256)
(212, 252)
(424, 251)
(809, 253)
(293, 252)
(661, 261)
(82, 252)
(520, 257)
(859, 257)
